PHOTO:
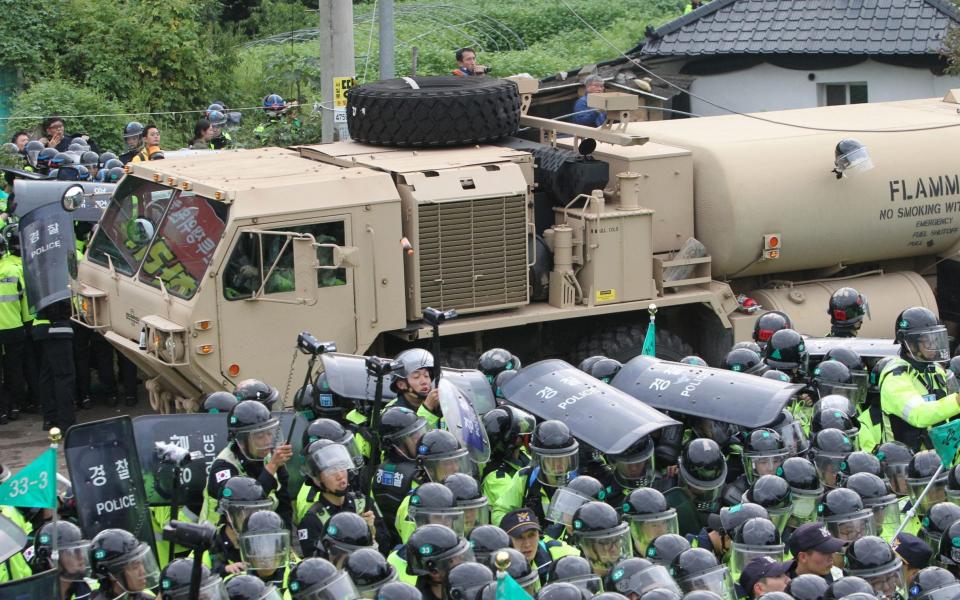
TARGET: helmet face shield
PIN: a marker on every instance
(407, 440)
(635, 470)
(886, 515)
(74, 562)
(947, 592)
(451, 517)
(717, 580)
(828, 467)
(440, 467)
(212, 588)
(563, 504)
(744, 553)
(780, 516)
(704, 493)
(887, 581)
(937, 493)
(645, 528)
(238, 512)
(651, 578)
(605, 549)
(851, 527)
(793, 438)
(592, 584)
(265, 551)
(339, 587)
(136, 572)
(896, 474)
(475, 514)
(329, 460)
(804, 509)
(256, 444)
(929, 345)
(556, 467)
(758, 464)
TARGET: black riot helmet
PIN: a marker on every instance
(466, 580)
(921, 336)
(848, 586)
(562, 591)
(113, 551)
(839, 502)
(369, 571)
(833, 377)
(175, 581)
(774, 494)
(800, 473)
(74, 551)
(731, 517)
(894, 458)
(934, 583)
(847, 308)
(44, 157)
(398, 590)
(218, 402)
(588, 362)
(470, 499)
(633, 467)
(757, 532)
(649, 516)
(807, 587)
(434, 502)
(831, 418)
(693, 360)
(487, 539)
(763, 453)
(439, 454)
(495, 361)
(253, 429)
(749, 345)
(768, 324)
(401, 430)
(133, 131)
(508, 428)
(939, 518)
(326, 429)
(501, 381)
(250, 587)
(848, 357)
(601, 535)
(605, 369)
(239, 498)
(318, 578)
(949, 553)
(920, 470)
(693, 562)
(555, 451)
(923, 464)
(872, 558)
(345, 533)
(877, 497)
(843, 513)
(776, 375)
(638, 575)
(254, 389)
(703, 469)
(786, 351)
(743, 360)
(868, 486)
(435, 547)
(860, 462)
(576, 570)
(664, 548)
(875, 372)
(830, 448)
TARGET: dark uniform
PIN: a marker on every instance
(54, 335)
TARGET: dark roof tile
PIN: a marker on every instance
(807, 27)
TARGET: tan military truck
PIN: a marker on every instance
(205, 268)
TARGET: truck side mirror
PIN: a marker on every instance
(72, 198)
(340, 256)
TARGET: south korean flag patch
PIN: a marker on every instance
(222, 476)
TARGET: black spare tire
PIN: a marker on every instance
(433, 111)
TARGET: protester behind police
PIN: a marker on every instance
(914, 552)
(256, 449)
(762, 575)
(203, 135)
(913, 392)
(467, 64)
(583, 114)
(814, 551)
(56, 137)
(20, 139)
(151, 144)
(525, 536)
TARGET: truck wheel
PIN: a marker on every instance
(435, 111)
(626, 341)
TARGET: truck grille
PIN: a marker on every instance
(473, 254)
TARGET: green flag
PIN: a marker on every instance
(509, 589)
(650, 340)
(35, 486)
(946, 440)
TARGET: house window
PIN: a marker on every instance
(833, 94)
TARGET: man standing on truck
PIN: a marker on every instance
(582, 114)
(913, 386)
(467, 64)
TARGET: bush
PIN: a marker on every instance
(59, 97)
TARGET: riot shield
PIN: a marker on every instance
(31, 195)
(347, 377)
(12, 538)
(107, 481)
(41, 585)
(203, 433)
(460, 419)
(596, 413)
(745, 400)
(46, 240)
(475, 386)
(867, 348)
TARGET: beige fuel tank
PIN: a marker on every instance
(753, 179)
(887, 295)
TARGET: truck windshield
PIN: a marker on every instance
(159, 234)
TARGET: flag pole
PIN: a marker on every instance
(55, 436)
(913, 508)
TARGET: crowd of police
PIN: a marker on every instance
(808, 508)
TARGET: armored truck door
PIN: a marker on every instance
(278, 280)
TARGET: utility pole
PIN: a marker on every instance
(336, 64)
(388, 39)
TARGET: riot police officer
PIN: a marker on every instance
(249, 587)
(555, 461)
(920, 471)
(122, 565)
(805, 490)
(933, 582)
(872, 559)
(73, 561)
(256, 449)
(370, 571)
(345, 533)
(846, 309)
(744, 360)
(754, 537)
(317, 578)
(508, 429)
(133, 137)
(519, 569)
(175, 581)
(829, 449)
(429, 503)
(400, 430)
(773, 493)
(843, 513)
(703, 472)
(413, 384)
(431, 552)
(768, 324)
(699, 569)
(870, 415)
(786, 352)
(254, 389)
(601, 535)
(265, 548)
(649, 516)
(575, 570)
(218, 402)
(475, 506)
(940, 516)
(240, 497)
(878, 498)
(913, 392)
(495, 361)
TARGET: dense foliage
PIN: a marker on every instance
(160, 56)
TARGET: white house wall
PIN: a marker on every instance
(768, 87)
